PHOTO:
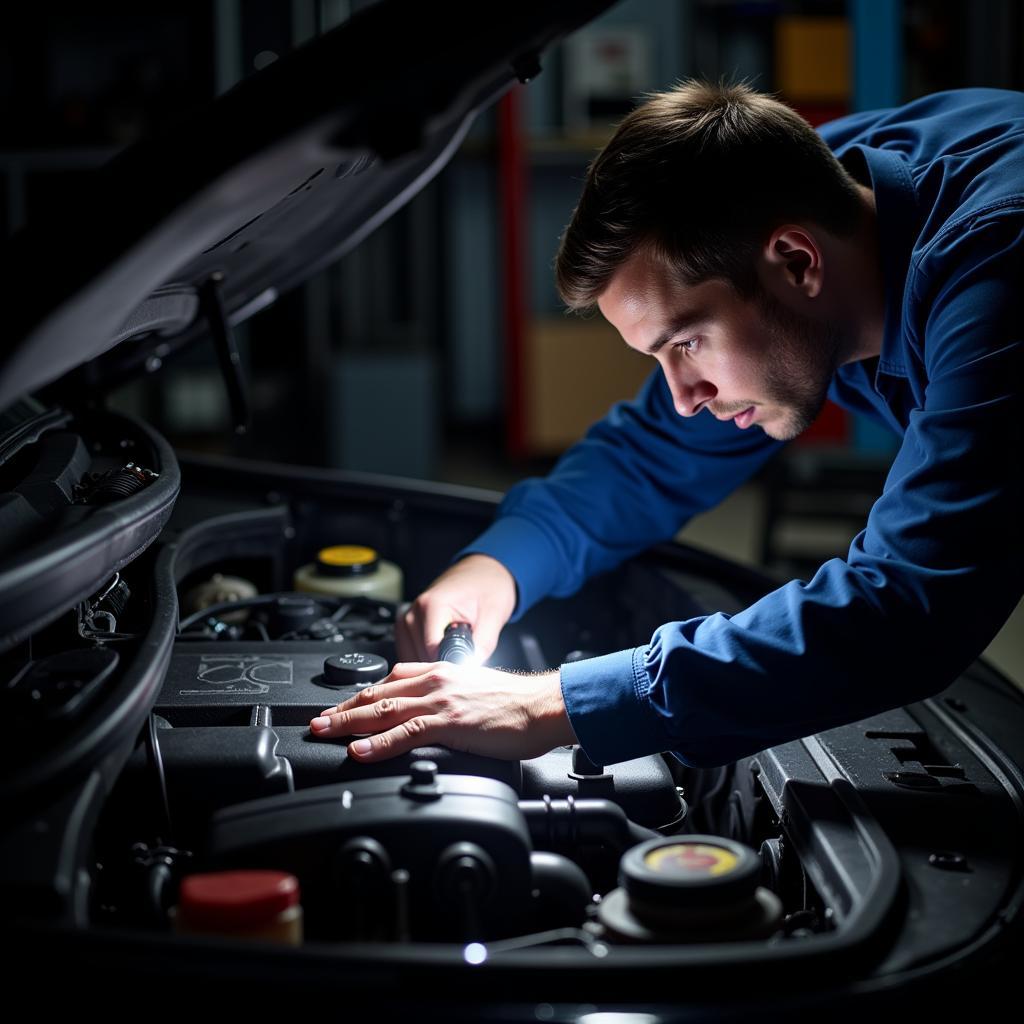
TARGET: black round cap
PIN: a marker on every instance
(354, 669)
(293, 612)
(689, 872)
(423, 773)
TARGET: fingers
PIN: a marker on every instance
(416, 732)
(436, 620)
(409, 679)
(409, 635)
(403, 670)
(478, 590)
(397, 723)
(419, 632)
(383, 714)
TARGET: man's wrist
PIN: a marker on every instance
(552, 718)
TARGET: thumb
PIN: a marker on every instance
(435, 622)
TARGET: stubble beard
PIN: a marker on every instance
(802, 358)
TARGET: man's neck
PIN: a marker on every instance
(861, 303)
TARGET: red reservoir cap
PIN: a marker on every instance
(235, 900)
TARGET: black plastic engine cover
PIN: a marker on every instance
(421, 829)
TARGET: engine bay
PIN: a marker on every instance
(160, 766)
(439, 846)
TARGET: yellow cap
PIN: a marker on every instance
(347, 560)
(346, 554)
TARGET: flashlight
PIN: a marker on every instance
(457, 644)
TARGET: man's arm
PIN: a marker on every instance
(635, 479)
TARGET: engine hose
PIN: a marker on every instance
(563, 890)
(565, 823)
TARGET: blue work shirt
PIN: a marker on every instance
(938, 568)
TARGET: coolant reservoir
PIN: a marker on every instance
(351, 570)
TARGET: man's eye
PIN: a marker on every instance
(688, 345)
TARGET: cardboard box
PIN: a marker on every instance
(812, 59)
(574, 370)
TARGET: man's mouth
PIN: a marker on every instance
(745, 418)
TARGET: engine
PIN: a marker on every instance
(229, 791)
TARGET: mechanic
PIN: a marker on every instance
(764, 266)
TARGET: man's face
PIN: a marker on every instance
(747, 360)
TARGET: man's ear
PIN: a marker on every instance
(796, 257)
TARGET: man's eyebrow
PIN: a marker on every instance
(681, 322)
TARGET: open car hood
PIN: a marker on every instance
(206, 224)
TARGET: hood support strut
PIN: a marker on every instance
(211, 307)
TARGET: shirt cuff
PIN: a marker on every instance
(527, 554)
(607, 702)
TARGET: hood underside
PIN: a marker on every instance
(272, 182)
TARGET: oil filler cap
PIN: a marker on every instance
(690, 872)
(353, 669)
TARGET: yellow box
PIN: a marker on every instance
(812, 58)
(574, 370)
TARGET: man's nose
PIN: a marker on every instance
(690, 396)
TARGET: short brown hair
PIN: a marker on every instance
(698, 177)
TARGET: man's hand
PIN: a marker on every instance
(477, 590)
(465, 707)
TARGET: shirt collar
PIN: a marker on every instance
(898, 225)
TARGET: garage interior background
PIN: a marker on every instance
(438, 349)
